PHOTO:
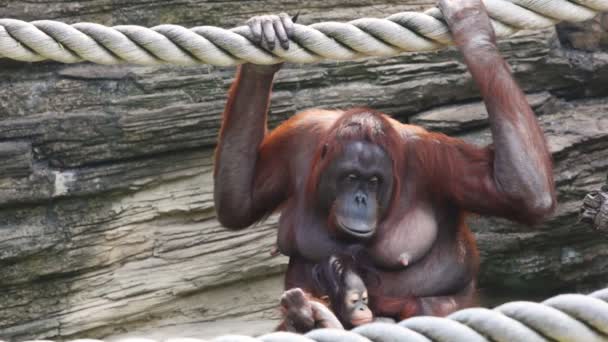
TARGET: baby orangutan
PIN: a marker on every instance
(341, 290)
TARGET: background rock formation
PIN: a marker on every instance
(106, 214)
(594, 210)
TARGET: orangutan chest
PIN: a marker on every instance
(402, 241)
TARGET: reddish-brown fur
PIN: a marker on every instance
(437, 181)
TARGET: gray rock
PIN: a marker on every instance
(107, 223)
(594, 210)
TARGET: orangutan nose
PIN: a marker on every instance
(360, 199)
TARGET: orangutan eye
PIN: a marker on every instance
(352, 298)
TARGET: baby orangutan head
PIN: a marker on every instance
(344, 289)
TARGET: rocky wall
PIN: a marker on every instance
(106, 211)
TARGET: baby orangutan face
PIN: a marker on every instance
(356, 301)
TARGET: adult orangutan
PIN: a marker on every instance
(345, 178)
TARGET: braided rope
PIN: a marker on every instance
(569, 317)
(172, 44)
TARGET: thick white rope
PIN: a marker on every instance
(172, 44)
(564, 318)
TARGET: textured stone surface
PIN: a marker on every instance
(106, 214)
(594, 210)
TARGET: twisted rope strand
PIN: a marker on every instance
(569, 317)
(172, 44)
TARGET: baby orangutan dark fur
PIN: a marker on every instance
(339, 287)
